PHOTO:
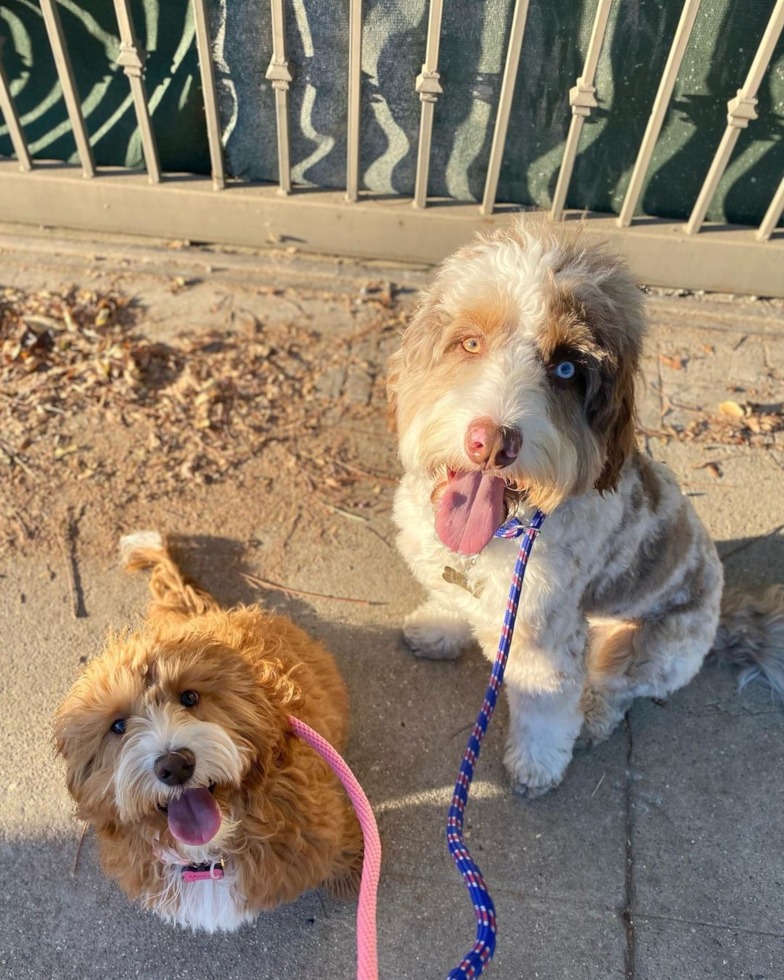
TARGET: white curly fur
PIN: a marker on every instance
(624, 585)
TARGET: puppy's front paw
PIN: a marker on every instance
(434, 635)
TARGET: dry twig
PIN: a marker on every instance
(596, 788)
(373, 477)
(288, 590)
(75, 865)
(62, 540)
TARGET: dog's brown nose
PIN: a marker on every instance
(175, 768)
(490, 445)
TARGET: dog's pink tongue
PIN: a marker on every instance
(470, 511)
(194, 817)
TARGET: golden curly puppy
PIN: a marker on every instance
(206, 807)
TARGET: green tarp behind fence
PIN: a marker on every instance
(474, 38)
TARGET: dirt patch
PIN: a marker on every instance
(95, 415)
(270, 417)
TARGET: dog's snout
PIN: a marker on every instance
(492, 446)
(175, 768)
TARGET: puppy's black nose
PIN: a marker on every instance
(175, 768)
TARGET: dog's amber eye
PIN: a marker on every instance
(189, 698)
(118, 726)
(473, 345)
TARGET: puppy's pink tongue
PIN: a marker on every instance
(194, 817)
(470, 511)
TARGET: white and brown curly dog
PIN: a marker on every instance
(514, 390)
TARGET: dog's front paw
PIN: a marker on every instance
(528, 792)
(435, 635)
(602, 713)
(531, 778)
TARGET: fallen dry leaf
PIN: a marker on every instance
(712, 467)
(672, 361)
(732, 409)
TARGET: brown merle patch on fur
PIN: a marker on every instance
(650, 484)
(636, 498)
(491, 319)
(566, 326)
(653, 568)
(611, 650)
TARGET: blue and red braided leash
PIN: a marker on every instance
(476, 959)
(480, 954)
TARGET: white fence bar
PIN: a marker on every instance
(207, 70)
(582, 98)
(659, 111)
(8, 109)
(740, 111)
(429, 88)
(354, 90)
(132, 60)
(773, 214)
(65, 73)
(504, 105)
(280, 76)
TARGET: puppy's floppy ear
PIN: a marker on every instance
(73, 744)
(614, 419)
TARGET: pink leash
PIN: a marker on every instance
(367, 954)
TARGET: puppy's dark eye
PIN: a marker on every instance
(118, 726)
(189, 698)
(565, 370)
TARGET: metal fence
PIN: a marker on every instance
(110, 199)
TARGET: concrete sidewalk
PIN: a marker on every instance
(661, 857)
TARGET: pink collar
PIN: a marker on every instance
(210, 871)
(207, 871)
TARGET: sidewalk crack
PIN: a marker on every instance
(627, 915)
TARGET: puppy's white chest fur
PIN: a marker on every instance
(210, 905)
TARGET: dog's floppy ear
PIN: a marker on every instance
(611, 305)
(615, 420)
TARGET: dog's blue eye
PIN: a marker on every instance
(189, 699)
(118, 727)
(565, 370)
